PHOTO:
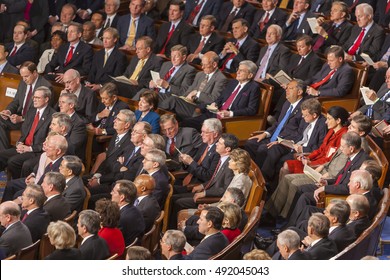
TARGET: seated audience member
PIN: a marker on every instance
(264, 18)
(146, 203)
(289, 244)
(377, 73)
(92, 247)
(373, 36)
(147, 105)
(206, 88)
(335, 78)
(110, 9)
(109, 231)
(184, 139)
(5, 66)
(195, 10)
(19, 51)
(231, 220)
(172, 244)
(297, 23)
(106, 62)
(358, 219)
(210, 224)
(86, 8)
(138, 71)
(131, 222)
(33, 215)
(89, 34)
(240, 97)
(151, 10)
(57, 26)
(11, 12)
(256, 254)
(98, 19)
(138, 253)
(16, 235)
(56, 205)
(174, 32)
(175, 75)
(63, 237)
(333, 32)
(57, 39)
(134, 25)
(233, 10)
(75, 55)
(14, 114)
(65, 14)
(74, 193)
(241, 47)
(375, 170)
(204, 41)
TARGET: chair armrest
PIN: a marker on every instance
(207, 200)
(103, 138)
(254, 133)
(321, 200)
(179, 174)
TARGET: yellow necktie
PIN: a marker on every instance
(130, 38)
(105, 58)
(138, 69)
(284, 4)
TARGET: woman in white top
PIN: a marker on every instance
(57, 39)
(240, 163)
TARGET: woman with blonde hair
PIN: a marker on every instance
(231, 220)
(240, 164)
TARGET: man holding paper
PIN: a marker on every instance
(297, 22)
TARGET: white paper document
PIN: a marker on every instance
(313, 25)
(316, 176)
(367, 58)
(364, 91)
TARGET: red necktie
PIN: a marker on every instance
(69, 56)
(387, 6)
(324, 80)
(30, 136)
(231, 56)
(355, 47)
(27, 103)
(169, 74)
(264, 22)
(212, 177)
(25, 217)
(14, 51)
(195, 12)
(168, 38)
(230, 100)
(344, 170)
(200, 46)
(172, 147)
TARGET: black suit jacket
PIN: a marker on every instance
(132, 167)
(180, 35)
(311, 64)
(278, 17)
(338, 37)
(65, 254)
(94, 248)
(289, 33)
(211, 7)
(203, 172)
(279, 59)
(150, 210)
(317, 136)
(109, 124)
(15, 238)
(247, 11)
(298, 255)
(8, 68)
(209, 247)
(378, 108)
(57, 207)
(342, 236)
(323, 250)
(131, 223)
(74, 193)
(87, 104)
(215, 43)
(37, 222)
(77, 137)
(381, 17)
(81, 60)
(25, 53)
(115, 66)
(161, 189)
(39, 13)
(216, 187)
(358, 226)
(145, 27)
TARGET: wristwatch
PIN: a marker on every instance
(104, 132)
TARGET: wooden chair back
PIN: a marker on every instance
(113, 257)
(86, 199)
(45, 247)
(258, 190)
(134, 243)
(147, 239)
(71, 218)
(29, 252)
(12, 257)
(167, 206)
(155, 241)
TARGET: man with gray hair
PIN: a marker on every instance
(289, 243)
(172, 244)
(92, 247)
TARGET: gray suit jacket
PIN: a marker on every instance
(217, 185)
(74, 193)
(14, 238)
(182, 79)
(188, 141)
(379, 108)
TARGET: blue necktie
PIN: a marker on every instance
(281, 124)
(370, 110)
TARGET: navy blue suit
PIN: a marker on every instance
(211, 7)
(37, 222)
(145, 27)
(131, 223)
(24, 53)
(209, 247)
(278, 17)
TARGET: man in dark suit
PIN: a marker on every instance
(12, 12)
(232, 10)
(107, 62)
(365, 37)
(16, 235)
(131, 222)
(382, 15)
(210, 224)
(5, 66)
(195, 10)
(33, 215)
(297, 22)
(358, 219)
(61, 10)
(268, 15)
(146, 202)
(352, 6)
(204, 41)
(172, 244)
(93, 247)
(289, 244)
(134, 25)
(335, 78)
(111, 8)
(19, 51)
(289, 125)
(174, 32)
(98, 18)
(377, 73)
(33, 132)
(206, 88)
(86, 7)
(138, 71)
(56, 205)
(75, 55)
(22, 102)
(242, 47)
(74, 193)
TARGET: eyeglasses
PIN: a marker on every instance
(136, 132)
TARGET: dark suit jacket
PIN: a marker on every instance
(134, 164)
(317, 136)
(41, 130)
(65, 254)
(8, 68)
(15, 238)
(145, 27)
(37, 222)
(25, 53)
(279, 17)
(247, 101)
(279, 59)
(57, 207)
(161, 189)
(338, 37)
(379, 107)
(114, 22)
(182, 79)
(371, 44)
(74, 193)
(311, 64)
(352, 11)
(150, 210)
(297, 255)
(209, 247)
(115, 66)
(131, 223)
(304, 28)
(342, 236)
(215, 43)
(55, 7)
(339, 85)
(93, 5)
(77, 137)
(381, 17)
(39, 14)
(16, 105)
(247, 11)
(180, 35)
(358, 226)
(87, 104)
(323, 250)
(109, 125)
(218, 184)
(81, 60)
(248, 51)
(211, 7)
(94, 248)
